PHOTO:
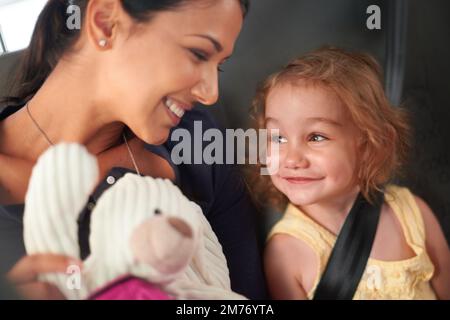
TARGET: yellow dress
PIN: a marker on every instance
(404, 279)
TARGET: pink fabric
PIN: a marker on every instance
(130, 288)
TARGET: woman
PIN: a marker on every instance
(119, 85)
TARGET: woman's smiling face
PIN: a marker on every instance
(157, 71)
(317, 143)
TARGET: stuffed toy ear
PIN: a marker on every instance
(59, 187)
(165, 243)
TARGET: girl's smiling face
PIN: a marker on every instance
(317, 143)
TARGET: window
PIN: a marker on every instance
(17, 20)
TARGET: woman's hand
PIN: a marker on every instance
(24, 275)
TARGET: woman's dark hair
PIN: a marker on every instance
(51, 39)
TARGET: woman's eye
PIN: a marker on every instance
(278, 139)
(317, 138)
(200, 55)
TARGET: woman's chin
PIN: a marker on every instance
(156, 138)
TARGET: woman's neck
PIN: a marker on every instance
(65, 108)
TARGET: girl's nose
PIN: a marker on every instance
(296, 159)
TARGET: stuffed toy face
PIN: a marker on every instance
(141, 226)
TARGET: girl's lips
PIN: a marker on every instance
(301, 180)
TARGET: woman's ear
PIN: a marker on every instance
(102, 20)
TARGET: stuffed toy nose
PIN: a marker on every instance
(180, 226)
(167, 244)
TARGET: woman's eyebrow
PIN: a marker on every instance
(216, 44)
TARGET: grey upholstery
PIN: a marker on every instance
(8, 62)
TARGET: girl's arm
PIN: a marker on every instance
(281, 264)
(438, 251)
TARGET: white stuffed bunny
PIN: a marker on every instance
(141, 226)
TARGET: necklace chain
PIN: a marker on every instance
(130, 153)
(51, 143)
(38, 126)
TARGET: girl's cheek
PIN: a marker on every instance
(278, 183)
(273, 162)
(342, 170)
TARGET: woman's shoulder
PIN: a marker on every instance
(6, 111)
(14, 175)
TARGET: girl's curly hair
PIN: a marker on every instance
(356, 79)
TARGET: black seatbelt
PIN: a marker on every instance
(351, 251)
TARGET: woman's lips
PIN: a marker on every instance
(173, 117)
(301, 180)
(176, 109)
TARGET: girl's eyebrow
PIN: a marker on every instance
(269, 119)
(325, 120)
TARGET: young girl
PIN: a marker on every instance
(338, 136)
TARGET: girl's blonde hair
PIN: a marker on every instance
(356, 79)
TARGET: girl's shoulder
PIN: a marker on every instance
(435, 244)
(290, 265)
(413, 211)
(297, 224)
(437, 248)
(405, 205)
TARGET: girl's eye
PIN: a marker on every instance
(317, 138)
(278, 139)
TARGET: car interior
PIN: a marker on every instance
(410, 45)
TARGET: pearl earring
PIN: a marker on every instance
(102, 42)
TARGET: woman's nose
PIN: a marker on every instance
(206, 91)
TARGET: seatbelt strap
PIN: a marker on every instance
(351, 251)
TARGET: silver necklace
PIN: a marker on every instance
(51, 143)
(38, 126)
(130, 153)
